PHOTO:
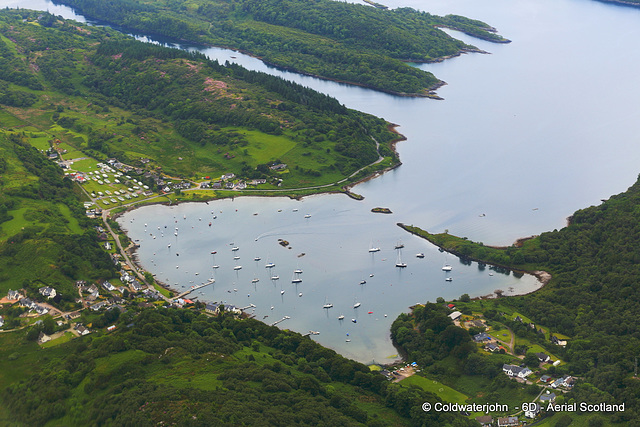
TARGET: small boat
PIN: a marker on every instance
(282, 292)
(356, 305)
(374, 250)
(420, 255)
(235, 248)
(447, 267)
(490, 274)
(270, 265)
(215, 266)
(341, 317)
(371, 275)
(399, 262)
(307, 216)
(169, 245)
(214, 252)
(300, 294)
(295, 209)
(347, 340)
(237, 267)
(256, 280)
(362, 282)
(448, 279)
(275, 277)
(296, 280)
(370, 312)
(236, 258)
(327, 304)
(257, 258)
(354, 320)
(399, 245)
(297, 271)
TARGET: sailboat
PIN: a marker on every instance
(356, 305)
(399, 245)
(237, 267)
(447, 267)
(399, 262)
(373, 249)
(327, 304)
(341, 317)
(270, 265)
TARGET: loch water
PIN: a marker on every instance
(525, 135)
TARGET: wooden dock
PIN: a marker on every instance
(195, 288)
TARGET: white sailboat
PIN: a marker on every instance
(447, 267)
(372, 248)
(327, 305)
(399, 262)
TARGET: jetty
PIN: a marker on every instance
(281, 320)
(193, 289)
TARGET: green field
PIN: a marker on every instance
(446, 393)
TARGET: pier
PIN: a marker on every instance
(195, 288)
(281, 320)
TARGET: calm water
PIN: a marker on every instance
(526, 135)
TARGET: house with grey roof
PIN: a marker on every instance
(516, 371)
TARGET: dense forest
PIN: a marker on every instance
(335, 40)
(165, 97)
(180, 367)
(593, 295)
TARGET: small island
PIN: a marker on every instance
(381, 210)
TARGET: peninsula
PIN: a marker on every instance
(345, 42)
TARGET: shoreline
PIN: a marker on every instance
(543, 277)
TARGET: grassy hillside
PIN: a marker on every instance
(179, 367)
(104, 95)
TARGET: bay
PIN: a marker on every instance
(525, 136)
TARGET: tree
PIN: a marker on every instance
(465, 298)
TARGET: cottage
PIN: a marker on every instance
(485, 420)
(48, 292)
(532, 411)
(548, 397)
(40, 309)
(82, 330)
(13, 295)
(508, 422)
(97, 306)
(455, 315)
(26, 302)
(492, 347)
(43, 338)
(516, 371)
(543, 358)
(545, 379)
(108, 286)
(136, 286)
(278, 167)
(111, 328)
(483, 336)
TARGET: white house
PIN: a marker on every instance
(47, 292)
(516, 371)
(532, 411)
